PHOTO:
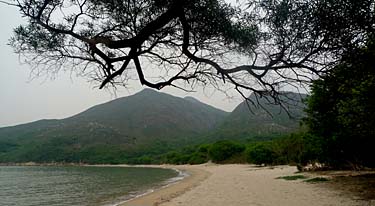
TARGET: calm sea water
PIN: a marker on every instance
(63, 186)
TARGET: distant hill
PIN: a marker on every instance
(263, 121)
(151, 114)
(148, 121)
(145, 124)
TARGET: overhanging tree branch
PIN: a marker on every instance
(279, 43)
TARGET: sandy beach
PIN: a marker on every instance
(243, 185)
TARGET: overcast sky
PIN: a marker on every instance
(24, 100)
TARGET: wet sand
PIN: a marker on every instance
(196, 176)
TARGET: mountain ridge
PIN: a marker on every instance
(263, 122)
(148, 122)
(143, 122)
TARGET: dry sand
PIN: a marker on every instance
(243, 185)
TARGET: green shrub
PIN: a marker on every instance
(176, 158)
(261, 153)
(294, 177)
(197, 158)
(316, 180)
(223, 150)
(204, 148)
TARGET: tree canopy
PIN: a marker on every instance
(341, 109)
(259, 46)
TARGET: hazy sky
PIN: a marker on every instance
(24, 100)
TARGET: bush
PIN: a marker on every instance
(197, 158)
(261, 153)
(176, 158)
(223, 150)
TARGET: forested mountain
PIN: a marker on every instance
(146, 123)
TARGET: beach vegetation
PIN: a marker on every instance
(261, 153)
(292, 177)
(316, 180)
(341, 109)
(223, 150)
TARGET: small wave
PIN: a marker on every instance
(181, 175)
(171, 181)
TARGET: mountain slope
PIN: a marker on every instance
(148, 121)
(150, 113)
(145, 124)
(265, 121)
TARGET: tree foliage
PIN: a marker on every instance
(261, 153)
(223, 150)
(194, 42)
(341, 109)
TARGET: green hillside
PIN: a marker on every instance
(147, 122)
(255, 122)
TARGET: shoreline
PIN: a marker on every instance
(166, 193)
(242, 185)
(248, 185)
